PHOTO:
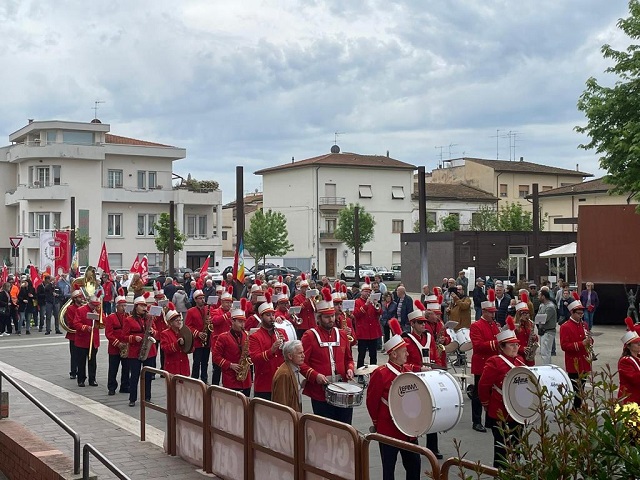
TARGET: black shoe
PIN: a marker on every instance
(46, 333)
(28, 332)
(132, 404)
(40, 329)
(438, 455)
(479, 427)
(72, 376)
(112, 392)
(93, 384)
(81, 384)
(147, 399)
(58, 332)
(18, 333)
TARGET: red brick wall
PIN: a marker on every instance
(24, 456)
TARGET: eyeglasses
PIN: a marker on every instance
(421, 322)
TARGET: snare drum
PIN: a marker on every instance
(453, 345)
(519, 391)
(342, 394)
(425, 402)
(463, 337)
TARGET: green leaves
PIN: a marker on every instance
(344, 231)
(161, 228)
(267, 235)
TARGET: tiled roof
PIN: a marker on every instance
(252, 198)
(596, 185)
(456, 191)
(118, 140)
(525, 167)
(343, 160)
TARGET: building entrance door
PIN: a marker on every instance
(330, 255)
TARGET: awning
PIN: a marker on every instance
(568, 250)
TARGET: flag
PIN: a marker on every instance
(47, 251)
(74, 258)
(135, 268)
(238, 263)
(144, 269)
(103, 261)
(61, 247)
(5, 273)
(35, 278)
(203, 271)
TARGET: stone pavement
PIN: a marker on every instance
(40, 363)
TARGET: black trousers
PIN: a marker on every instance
(324, 409)
(245, 391)
(432, 442)
(73, 355)
(511, 439)
(578, 389)
(114, 363)
(265, 395)
(5, 322)
(410, 461)
(216, 374)
(363, 347)
(386, 332)
(200, 364)
(135, 366)
(476, 405)
(82, 355)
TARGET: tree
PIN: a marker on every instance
(512, 218)
(161, 230)
(451, 223)
(485, 219)
(267, 235)
(431, 226)
(613, 124)
(344, 231)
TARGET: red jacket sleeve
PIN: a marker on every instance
(487, 380)
(481, 346)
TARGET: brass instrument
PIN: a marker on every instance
(295, 317)
(532, 346)
(92, 316)
(440, 338)
(278, 337)
(244, 362)
(208, 326)
(147, 340)
(591, 354)
(344, 325)
(124, 349)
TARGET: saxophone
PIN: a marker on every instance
(591, 354)
(532, 346)
(440, 337)
(245, 361)
(147, 340)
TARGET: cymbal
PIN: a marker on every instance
(366, 370)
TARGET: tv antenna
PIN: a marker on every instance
(512, 136)
(336, 135)
(497, 137)
(451, 145)
(95, 107)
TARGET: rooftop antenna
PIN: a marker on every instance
(497, 137)
(440, 147)
(335, 137)
(451, 145)
(511, 135)
(95, 107)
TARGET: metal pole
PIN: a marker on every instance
(172, 237)
(356, 240)
(237, 290)
(72, 236)
(536, 234)
(422, 213)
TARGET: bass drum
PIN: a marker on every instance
(425, 402)
(519, 391)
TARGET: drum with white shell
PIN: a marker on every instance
(463, 337)
(425, 402)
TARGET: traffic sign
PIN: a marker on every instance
(15, 241)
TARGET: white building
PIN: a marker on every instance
(120, 185)
(311, 193)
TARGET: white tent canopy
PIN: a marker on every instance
(568, 250)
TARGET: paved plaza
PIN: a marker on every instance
(40, 363)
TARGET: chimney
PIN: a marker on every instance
(522, 159)
(292, 159)
(30, 121)
(577, 167)
(387, 153)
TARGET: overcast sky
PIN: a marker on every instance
(254, 83)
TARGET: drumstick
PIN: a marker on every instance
(338, 386)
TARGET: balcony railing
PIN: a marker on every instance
(332, 201)
(328, 237)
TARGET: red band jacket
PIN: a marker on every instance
(265, 362)
(572, 335)
(629, 372)
(367, 320)
(82, 326)
(307, 312)
(228, 350)
(483, 338)
(195, 320)
(490, 385)
(113, 330)
(135, 327)
(176, 361)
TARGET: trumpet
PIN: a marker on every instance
(344, 325)
(294, 315)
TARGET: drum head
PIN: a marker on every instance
(463, 336)
(185, 332)
(344, 387)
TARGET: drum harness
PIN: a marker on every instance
(495, 387)
(330, 346)
(423, 349)
(396, 372)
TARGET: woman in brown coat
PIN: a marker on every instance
(459, 309)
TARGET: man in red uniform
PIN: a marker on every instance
(171, 342)
(525, 329)
(113, 330)
(197, 320)
(77, 300)
(378, 408)
(307, 312)
(229, 349)
(221, 323)
(629, 366)
(438, 333)
(483, 338)
(282, 316)
(328, 359)
(367, 325)
(577, 345)
(265, 349)
(343, 321)
(159, 322)
(84, 325)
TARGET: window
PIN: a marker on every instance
(546, 188)
(153, 179)
(43, 221)
(82, 138)
(330, 190)
(153, 259)
(114, 225)
(503, 189)
(564, 184)
(43, 176)
(523, 191)
(146, 222)
(397, 226)
(224, 235)
(364, 191)
(51, 136)
(196, 226)
(331, 225)
(432, 218)
(114, 178)
(56, 174)
(142, 179)
(397, 193)
(115, 260)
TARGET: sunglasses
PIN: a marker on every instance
(421, 322)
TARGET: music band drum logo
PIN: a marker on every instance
(521, 380)
(402, 389)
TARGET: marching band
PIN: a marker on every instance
(246, 340)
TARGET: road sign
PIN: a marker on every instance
(15, 241)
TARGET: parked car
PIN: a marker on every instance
(272, 273)
(397, 271)
(349, 272)
(154, 273)
(295, 272)
(122, 271)
(179, 273)
(216, 275)
(385, 273)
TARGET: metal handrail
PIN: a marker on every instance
(86, 450)
(52, 416)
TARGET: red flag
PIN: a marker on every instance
(144, 269)
(63, 251)
(103, 261)
(135, 268)
(5, 273)
(35, 278)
